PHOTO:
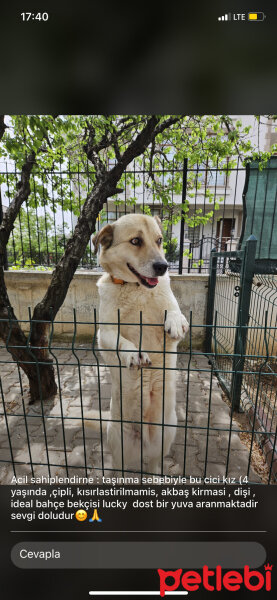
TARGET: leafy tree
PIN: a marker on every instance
(35, 240)
(102, 146)
(170, 247)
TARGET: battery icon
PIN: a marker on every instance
(256, 16)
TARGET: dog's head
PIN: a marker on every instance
(132, 249)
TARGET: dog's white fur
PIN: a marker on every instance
(138, 392)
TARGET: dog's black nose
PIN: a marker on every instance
(160, 267)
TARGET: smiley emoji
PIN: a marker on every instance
(81, 515)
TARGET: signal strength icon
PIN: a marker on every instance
(226, 17)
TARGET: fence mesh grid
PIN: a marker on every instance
(263, 340)
(54, 437)
(246, 350)
(47, 220)
(241, 339)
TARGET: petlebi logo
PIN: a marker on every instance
(214, 580)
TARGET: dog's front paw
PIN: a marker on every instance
(136, 359)
(176, 325)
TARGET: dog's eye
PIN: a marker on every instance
(159, 241)
(136, 241)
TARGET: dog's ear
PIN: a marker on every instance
(103, 237)
(158, 220)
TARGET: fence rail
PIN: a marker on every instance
(242, 307)
(53, 436)
(183, 195)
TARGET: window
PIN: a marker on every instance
(215, 178)
(111, 216)
(155, 211)
(193, 234)
(209, 177)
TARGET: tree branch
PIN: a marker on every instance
(105, 186)
(21, 196)
(3, 127)
(91, 149)
(167, 123)
(116, 146)
(137, 146)
(232, 130)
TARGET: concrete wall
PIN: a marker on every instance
(26, 288)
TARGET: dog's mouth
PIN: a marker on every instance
(149, 282)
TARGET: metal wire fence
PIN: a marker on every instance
(201, 206)
(55, 437)
(263, 313)
(243, 310)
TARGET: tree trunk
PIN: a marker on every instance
(35, 362)
(42, 381)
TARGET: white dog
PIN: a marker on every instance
(136, 283)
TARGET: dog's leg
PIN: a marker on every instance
(176, 324)
(154, 466)
(162, 414)
(125, 449)
(124, 428)
(129, 355)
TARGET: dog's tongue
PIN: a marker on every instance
(152, 280)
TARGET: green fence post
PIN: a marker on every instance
(210, 301)
(246, 280)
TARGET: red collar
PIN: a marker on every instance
(121, 281)
(118, 281)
